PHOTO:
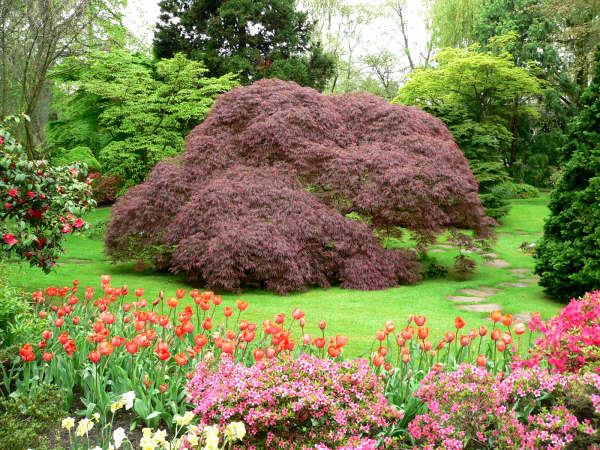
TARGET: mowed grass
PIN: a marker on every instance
(357, 314)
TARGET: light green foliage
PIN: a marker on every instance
(62, 157)
(146, 108)
(477, 94)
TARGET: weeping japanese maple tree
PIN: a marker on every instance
(270, 187)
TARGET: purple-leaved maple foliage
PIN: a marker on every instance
(261, 194)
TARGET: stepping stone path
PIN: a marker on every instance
(489, 255)
(437, 250)
(517, 285)
(498, 263)
(445, 246)
(463, 299)
(478, 293)
(484, 307)
(530, 280)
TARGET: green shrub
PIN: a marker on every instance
(62, 157)
(492, 192)
(432, 268)
(568, 256)
(27, 418)
(520, 190)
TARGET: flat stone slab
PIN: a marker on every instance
(504, 234)
(498, 263)
(491, 290)
(517, 285)
(522, 317)
(437, 250)
(445, 246)
(482, 307)
(477, 293)
(489, 255)
(472, 250)
(521, 270)
(464, 299)
(530, 280)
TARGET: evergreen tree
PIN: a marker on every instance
(258, 39)
(568, 257)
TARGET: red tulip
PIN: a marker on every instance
(383, 351)
(377, 360)
(482, 331)
(180, 293)
(180, 358)
(420, 320)
(380, 335)
(201, 340)
(58, 322)
(387, 366)
(228, 311)
(389, 326)
(507, 320)
(76, 320)
(520, 329)
(105, 348)
(423, 332)
(465, 340)
(43, 314)
(207, 323)
(341, 340)
(117, 341)
(46, 334)
(297, 313)
(459, 323)
(481, 361)
(241, 304)
(496, 316)
(279, 318)
(47, 356)
(105, 279)
(501, 346)
(449, 337)
(334, 351)
(163, 320)
(258, 354)
(405, 358)
(270, 352)
(217, 300)
(319, 342)
(172, 302)
(506, 338)
(131, 347)
(228, 347)
(163, 388)
(94, 356)
(322, 324)
(496, 334)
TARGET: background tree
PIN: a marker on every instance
(266, 39)
(134, 113)
(568, 256)
(478, 95)
(34, 36)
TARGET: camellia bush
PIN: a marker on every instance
(263, 194)
(41, 204)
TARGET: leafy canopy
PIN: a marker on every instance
(257, 39)
(476, 94)
(146, 108)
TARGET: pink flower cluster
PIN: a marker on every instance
(571, 340)
(530, 408)
(287, 403)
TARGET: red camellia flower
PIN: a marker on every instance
(78, 223)
(459, 323)
(10, 239)
(180, 358)
(94, 356)
(13, 193)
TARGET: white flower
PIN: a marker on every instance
(68, 423)
(96, 448)
(192, 439)
(119, 436)
(212, 442)
(84, 426)
(128, 398)
(114, 407)
(96, 417)
(184, 420)
(235, 431)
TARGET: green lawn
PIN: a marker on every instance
(354, 313)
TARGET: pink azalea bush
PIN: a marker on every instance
(571, 340)
(303, 403)
(530, 408)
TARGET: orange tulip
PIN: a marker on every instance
(423, 332)
(420, 320)
(520, 329)
(380, 335)
(507, 320)
(496, 316)
(481, 361)
(377, 360)
(459, 323)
